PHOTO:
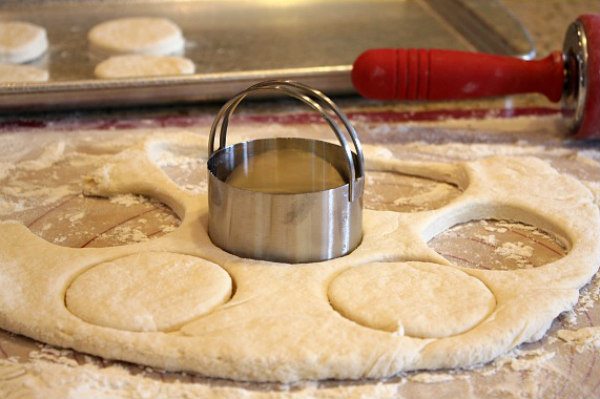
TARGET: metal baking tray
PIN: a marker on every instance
(238, 42)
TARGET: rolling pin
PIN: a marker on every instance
(571, 75)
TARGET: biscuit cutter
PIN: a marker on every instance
(310, 222)
(572, 75)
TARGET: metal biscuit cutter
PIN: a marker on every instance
(288, 200)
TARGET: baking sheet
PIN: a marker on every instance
(235, 43)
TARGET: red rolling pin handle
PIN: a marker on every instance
(420, 74)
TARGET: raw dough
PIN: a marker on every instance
(22, 73)
(124, 66)
(21, 41)
(152, 36)
(279, 324)
(412, 298)
(150, 291)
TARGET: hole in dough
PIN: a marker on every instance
(499, 245)
(417, 299)
(176, 289)
(43, 191)
(403, 193)
(91, 222)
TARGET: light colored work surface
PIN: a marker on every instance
(41, 187)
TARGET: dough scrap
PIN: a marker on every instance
(135, 65)
(21, 42)
(279, 325)
(413, 298)
(22, 73)
(150, 291)
(150, 36)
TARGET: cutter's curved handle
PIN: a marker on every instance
(316, 100)
(421, 74)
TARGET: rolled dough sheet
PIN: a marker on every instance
(279, 324)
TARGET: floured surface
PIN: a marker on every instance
(540, 364)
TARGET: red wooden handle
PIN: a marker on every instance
(420, 74)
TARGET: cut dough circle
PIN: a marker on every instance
(138, 65)
(424, 300)
(21, 41)
(150, 291)
(152, 36)
(22, 73)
